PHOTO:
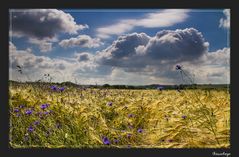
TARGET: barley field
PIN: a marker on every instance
(71, 117)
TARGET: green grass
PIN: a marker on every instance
(84, 117)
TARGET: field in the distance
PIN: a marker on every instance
(93, 118)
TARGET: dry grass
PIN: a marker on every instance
(80, 118)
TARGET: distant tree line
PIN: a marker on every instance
(152, 86)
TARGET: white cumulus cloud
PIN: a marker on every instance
(42, 26)
(225, 22)
(81, 41)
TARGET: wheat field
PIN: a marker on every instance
(113, 118)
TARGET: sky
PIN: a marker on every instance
(120, 46)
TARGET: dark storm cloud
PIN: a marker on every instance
(125, 45)
(136, 51)
(123, 50)
(43, 23)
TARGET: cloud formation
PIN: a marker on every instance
(81, 41)
(225, 22)
(124, 46)
(158, 19)
(139, 50)
(28, 60)
(43, 23)
(42, 26)
(84, 56)
(44, 45)
(157, 56)
(36, 66)
(219, 57)
(134, 58)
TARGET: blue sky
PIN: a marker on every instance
(107, 46)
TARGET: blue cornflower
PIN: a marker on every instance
(106, 141)
(140, 130)
(37, 122)
(129, 135)
(61, 89)
(184, 117)
(44, 106)
(28, 112)
(109, 103)
(30, 129)
(16, 110)
(46, 112)
(54, 88)
(130, 115)
(178, 67)
(116, 141)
